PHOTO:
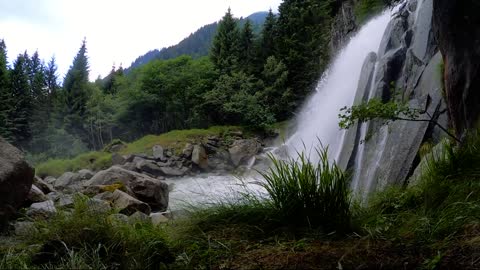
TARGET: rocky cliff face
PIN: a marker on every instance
(408, 62)
(457, 29)
(344, 25)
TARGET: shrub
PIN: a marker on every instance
(313, 194)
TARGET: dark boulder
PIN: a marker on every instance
(456, 26)
(16, 178)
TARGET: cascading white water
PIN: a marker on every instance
(318, 120)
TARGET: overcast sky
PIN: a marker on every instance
(117, 31)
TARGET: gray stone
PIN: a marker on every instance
(118, 219)
(43, 185)
(138, 217)
(16, 178)
(130, 166)
(199, 157)
(438, 151)
(158, 152)
(24, 228)
(118, 159)
(423, 35)
(344, 26)
(67, 180)
(145, 188)
(158, 218)
(42, 210)
(149, 167)
(36, 195)
(187, 150)
(392, 40)
(98, 206)
(85, 174)
(65, 200)
(125, 203)
(242, 150)
(172, 171)
(50, 180)
(352, 135)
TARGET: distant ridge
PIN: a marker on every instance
(196, 44)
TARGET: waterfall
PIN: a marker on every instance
(318, 119)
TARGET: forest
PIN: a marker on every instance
(250, 78)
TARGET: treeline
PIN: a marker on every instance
(248, 79)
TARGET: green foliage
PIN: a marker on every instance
(93, 239)
(56, 167)
(376, 109)
(365, 9)
(225, 48)
(440, 207)
(309, 193)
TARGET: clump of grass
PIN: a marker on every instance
(92, 240)
(176, 139)
(92, 160)
(312, 194)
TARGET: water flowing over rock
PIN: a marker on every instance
(16, 178)
(243, 150)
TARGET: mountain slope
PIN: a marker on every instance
(197, 44)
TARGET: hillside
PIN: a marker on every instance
(196, 45)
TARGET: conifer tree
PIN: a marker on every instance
(247, 49)
(268, 35)
(224, 52)
(6, 106)
(22, 101)
(76, 94)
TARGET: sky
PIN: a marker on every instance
(116, 31)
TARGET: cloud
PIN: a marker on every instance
(117, 31)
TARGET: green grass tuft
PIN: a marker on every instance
(92, 160)
(366, 9)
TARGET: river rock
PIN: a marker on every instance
(43, 185)
(149, 167)
(145, 188)
(42, 210)
(36, 195)
(68, 180)
(242, 150)
(16, 178)
(85, 174)
(187, 150)
(138, 217)
(50, 180)
(118, 159)
(158, 218)
(172, 171)
(199, 157)
(125, 203)
(158, 152)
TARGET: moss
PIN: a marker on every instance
(113, 187)
(366, 9)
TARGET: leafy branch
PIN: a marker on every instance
(389, 111)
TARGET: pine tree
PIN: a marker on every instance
(51, 77)
(22, 101)
(6, 100)
(76, 94)
(247, 49)
(225, 50)
(268, 36)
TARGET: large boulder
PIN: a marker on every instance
(145, 188)
(199, 157)
(16, 178)
(456, 25)
(243, 150)
(85, 174)
(125, 203)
